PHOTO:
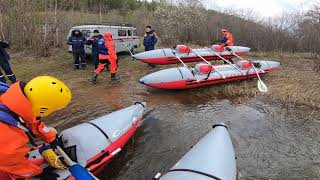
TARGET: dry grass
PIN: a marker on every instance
(296, 83)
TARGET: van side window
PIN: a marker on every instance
(135, 33)
(129, 33)
(122, 32)
(86, 33)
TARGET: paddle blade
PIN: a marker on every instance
(80, 172)
(262, 87)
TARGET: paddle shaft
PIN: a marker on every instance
(179, 59)
(65, 156)
(126, 47)
(227, 61)
(207, 63)
(83, 171)
(184, 65)
(261, 85)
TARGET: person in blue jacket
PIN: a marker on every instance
(4, 63)
(95, 50)
(150, 39)
(77, 41)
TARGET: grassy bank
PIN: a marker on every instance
(296, 83)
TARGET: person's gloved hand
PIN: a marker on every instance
(51, 157)
(228, 49)
(55, 143)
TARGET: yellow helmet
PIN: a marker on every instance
(47, 94)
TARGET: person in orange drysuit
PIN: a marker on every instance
(226, 40)
(107, 52)
(21, 108)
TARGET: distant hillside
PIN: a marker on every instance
(40, 25)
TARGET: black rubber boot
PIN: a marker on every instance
(113, 77)
(93, 79)
(83, 66)
(76, 67)
(12, 78)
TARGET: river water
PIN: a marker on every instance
(271, 141)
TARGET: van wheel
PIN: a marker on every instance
(133, 50)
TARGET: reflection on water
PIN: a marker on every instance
(270, 141)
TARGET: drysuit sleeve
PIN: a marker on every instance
(40, 130)
(25, 169)
(13, 152)
(111, 50)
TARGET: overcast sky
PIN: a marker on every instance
(263, 7)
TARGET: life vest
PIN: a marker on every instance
(229, 37)
(102, 47)
(6, 115)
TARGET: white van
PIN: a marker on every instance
(125, 32)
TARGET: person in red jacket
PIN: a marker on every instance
(107, 53)
(21, 108)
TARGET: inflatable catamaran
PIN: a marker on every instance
(212, 157)
(169, 56)
(204, 74)
(95, 143)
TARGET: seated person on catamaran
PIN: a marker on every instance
(226, 40)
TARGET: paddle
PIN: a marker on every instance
(223, 77)
(126, 46)
(184, 64)
(225, 60)
(79, 172)
(262, 87)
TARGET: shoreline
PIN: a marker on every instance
(296, 83)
